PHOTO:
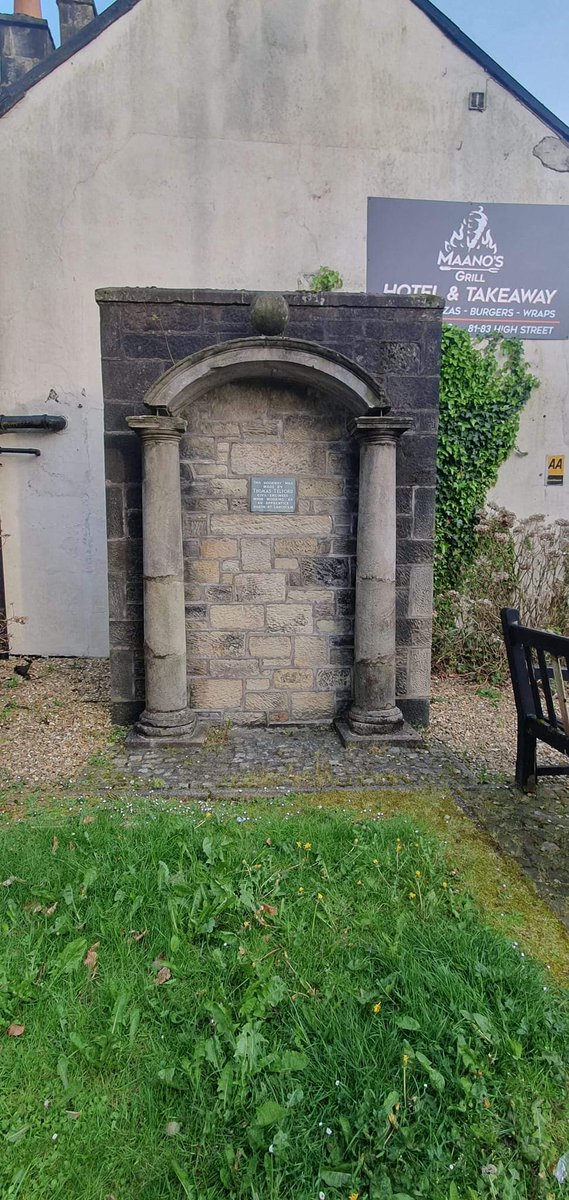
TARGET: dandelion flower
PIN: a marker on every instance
(308, 845)
(299, 845)
(300, 891)
(377, 1007)
(376, 862)
(354, 1195)
(412, 895)
(359, 883)
(444, 884)
(319, 896)
(417, 874)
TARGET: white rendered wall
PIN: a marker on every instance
(209, 143)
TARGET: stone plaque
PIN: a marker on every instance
(272, 494)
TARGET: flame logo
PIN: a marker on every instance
(473, 234)
(471, 245)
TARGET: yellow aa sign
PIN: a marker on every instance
(555, 468)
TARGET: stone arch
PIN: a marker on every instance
(287, 360)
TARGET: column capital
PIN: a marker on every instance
(377, 429)
(158, 428)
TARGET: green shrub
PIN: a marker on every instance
(481, 566)
(519, 564)
(326, 280)
(483, 391)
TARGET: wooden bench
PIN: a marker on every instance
(537, 659)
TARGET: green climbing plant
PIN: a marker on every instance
(484, 388)
(326, 280)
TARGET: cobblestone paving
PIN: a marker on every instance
(240, 762)
(237, 763)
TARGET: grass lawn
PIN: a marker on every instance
(281, 1007)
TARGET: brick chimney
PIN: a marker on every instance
(73, 16)
(25, 40)
(28, 8)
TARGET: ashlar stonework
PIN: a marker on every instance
(269, 599)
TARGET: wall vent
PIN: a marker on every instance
(477, 101)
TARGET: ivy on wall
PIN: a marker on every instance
(483, 391)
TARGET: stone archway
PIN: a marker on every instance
(291, 360)
(168, 714)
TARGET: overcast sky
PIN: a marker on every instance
(530, 38)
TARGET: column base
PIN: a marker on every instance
(386, 728)
(366, 721)
(167, 729)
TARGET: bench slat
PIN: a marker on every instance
(554, 643)
(561, 695)
(551, 713)
(528, 655)
(545, 733)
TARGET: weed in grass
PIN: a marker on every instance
(7, 710)
(99, 760)
(490, 693)
(218, 736)
(118, 735)
(268, 989)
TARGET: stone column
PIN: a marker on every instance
(374, 711)
(166, 715)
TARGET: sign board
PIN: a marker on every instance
(555, 468)
(502, 267)
(272, 494)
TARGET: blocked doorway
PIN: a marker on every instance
(246, 411)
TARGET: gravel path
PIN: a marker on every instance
(53, 721)
(479, 723)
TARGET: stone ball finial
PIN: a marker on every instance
(269, 314)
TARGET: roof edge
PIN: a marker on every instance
(16, 91)
(493, 68)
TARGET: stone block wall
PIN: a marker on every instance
(24, 42)
(269, 597)
(397, 340)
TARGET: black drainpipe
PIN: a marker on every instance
(15, 424)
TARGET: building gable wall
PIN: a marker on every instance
(230, 145)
